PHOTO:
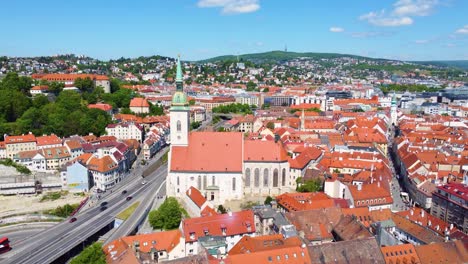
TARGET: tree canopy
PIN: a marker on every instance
(309, 186)
(233, 108)
(167, 216)
(92, 254)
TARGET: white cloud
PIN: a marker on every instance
(232, 6)
(401, 14)
(421, 41)
(414, 7)
(463, 30)
(381, 19)
(336, 29)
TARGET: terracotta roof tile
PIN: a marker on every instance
(209, 152)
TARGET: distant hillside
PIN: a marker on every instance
(462, 64)
(278, 56)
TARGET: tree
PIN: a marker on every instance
(270, 125)
(192, 102)
(251, 86)
(268, 200)
(39, 101)
(156, 109)
(55, 87)
(310, 186)
(85, 85)
(167, 217)
(92, 254)
(195, 125)
(266, 90)
(221, 209)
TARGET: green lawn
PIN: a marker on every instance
(125, 214)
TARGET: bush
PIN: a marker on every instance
(63, 211)
(221, 209)
(167, 216)
(19, 167)
(92, 254)
(268, 200)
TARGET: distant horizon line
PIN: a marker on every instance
(212, 57)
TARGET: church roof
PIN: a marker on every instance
(209, 152)
(266, 151)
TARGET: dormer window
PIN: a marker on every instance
(192, 235)
(223, 229)
(205, 230)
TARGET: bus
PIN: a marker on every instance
(4, 245)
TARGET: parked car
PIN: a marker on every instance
(73, 219)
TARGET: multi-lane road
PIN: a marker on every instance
(51, 244)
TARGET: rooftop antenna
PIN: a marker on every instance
(286, 48)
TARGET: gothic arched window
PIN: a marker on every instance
(257, 178)
(179, 126)
(247, 177)
(265, 178)
(275, 178)
(283, 177)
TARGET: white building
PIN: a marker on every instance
(125, 131)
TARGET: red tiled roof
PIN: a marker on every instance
(103, 164)
(68, 77)
(209, 152)
(286, 255)
(375, 194)
(103, 107)
(249, 244)
(236, 223)
(259, 150)
(20, 139)
(195, 195)
(139, 102)
(48, 140)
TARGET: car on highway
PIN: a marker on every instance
(73, 219)
(143, 182)
(129, 198)
(124, 191)
(103, 204)
(103, 208)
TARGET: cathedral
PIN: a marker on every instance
(223, 166)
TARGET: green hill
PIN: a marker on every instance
(278, 56)
(462, 64)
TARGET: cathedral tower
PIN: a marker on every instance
(179, 112)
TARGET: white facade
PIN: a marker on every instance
(216, 187)
(125, 131)
(179, 127)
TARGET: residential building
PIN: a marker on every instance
(450, 203)
(128, 130)
(15, 144)
(139, 106)
(69, 79)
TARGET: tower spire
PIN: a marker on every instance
(179, 80)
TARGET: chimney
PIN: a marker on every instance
(378, 184)
(422, 213)
(359, 187)
(411, 212)
(229, 213)
(190, 191)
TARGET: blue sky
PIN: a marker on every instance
(198, 29)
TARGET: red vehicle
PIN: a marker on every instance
(4, 245)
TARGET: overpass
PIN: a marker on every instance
(63, 241)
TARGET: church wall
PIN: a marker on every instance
(269, 189)
(222, 188)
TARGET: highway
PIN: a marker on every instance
(51, 244)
